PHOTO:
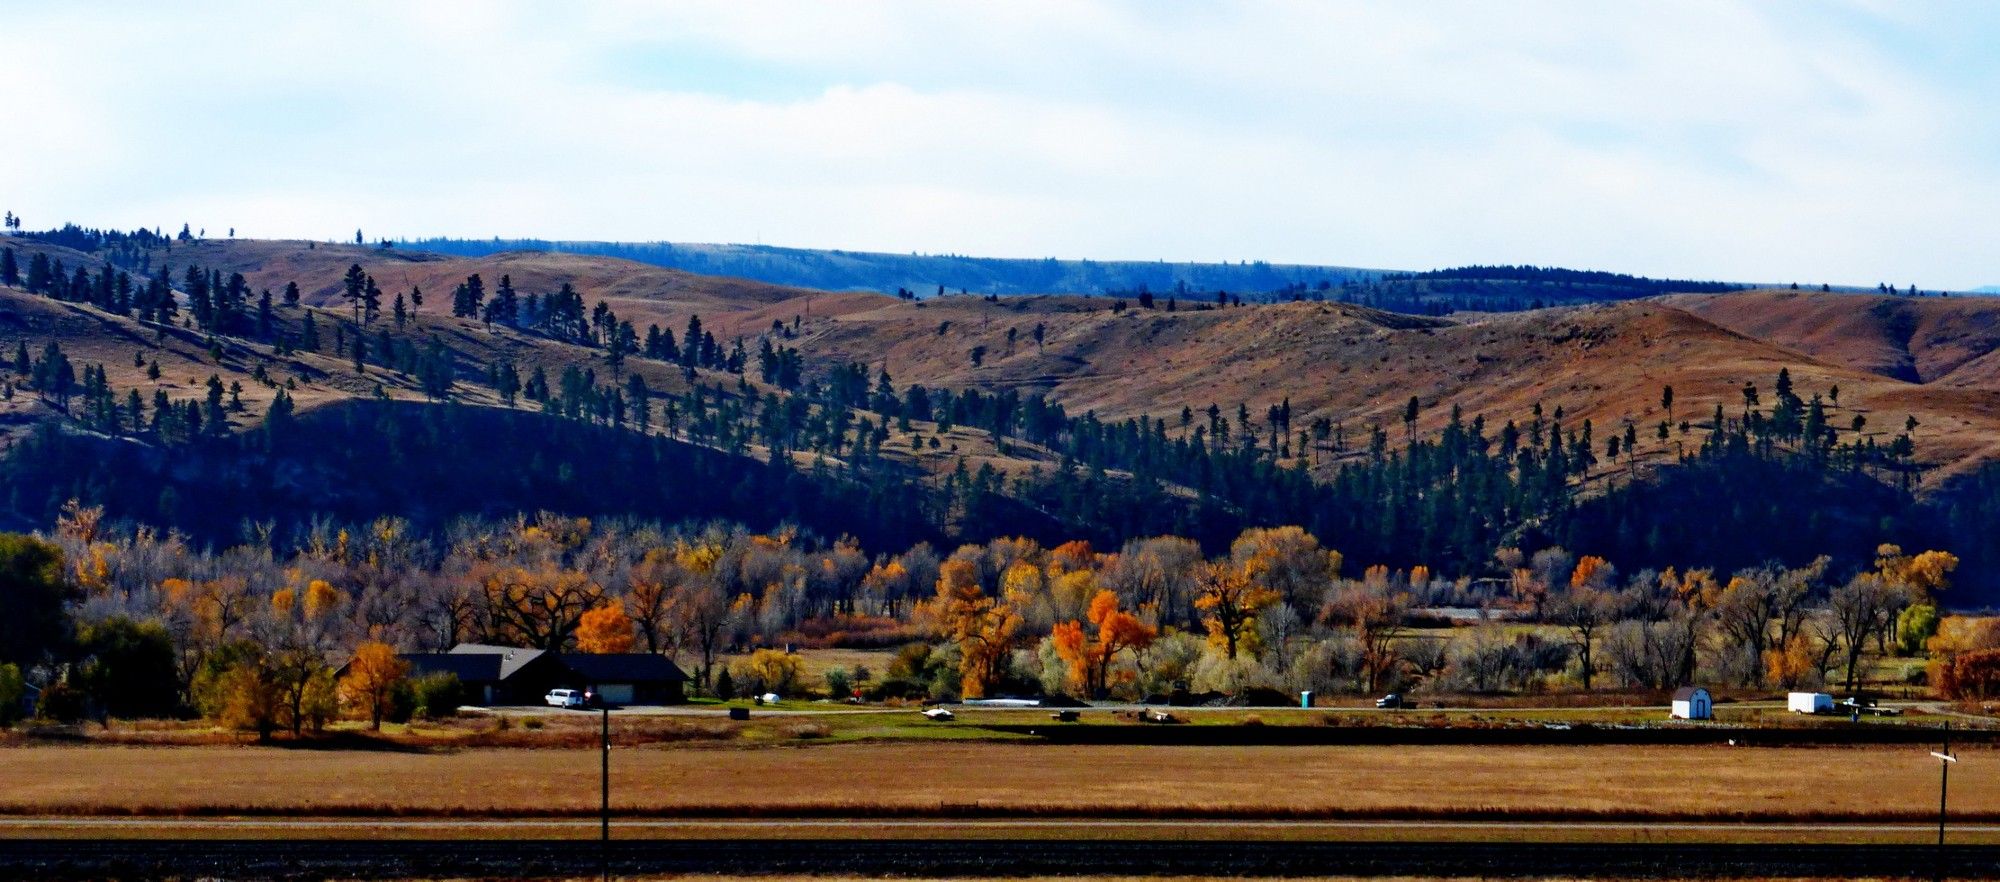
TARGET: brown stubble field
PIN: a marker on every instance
(1003, 780)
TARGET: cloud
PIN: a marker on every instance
(1732, 140)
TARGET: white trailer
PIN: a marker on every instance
(1809, 703)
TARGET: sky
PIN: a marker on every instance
(1843, 141)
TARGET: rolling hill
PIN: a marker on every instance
(1338, 373)
(922, 274)
(1891, 357)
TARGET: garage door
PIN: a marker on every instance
(616, 693)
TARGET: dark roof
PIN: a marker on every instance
(624, 667)
(1687, 692)
(469, 668)
(512, 658)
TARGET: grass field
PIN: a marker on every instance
(998, 779)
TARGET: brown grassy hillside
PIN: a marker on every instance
(1359, 366)
(1918, 339)
(640, 293)
(1892, 358)
(128, 348)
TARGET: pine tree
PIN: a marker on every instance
(212, 415)
(10, 271)
(38, 274)
(309, 333)
(435, 370)
(291, 293)
(506, 306)
(354, 286)
(279, 415)
(506, 381)
(639, 401)
(469, 298)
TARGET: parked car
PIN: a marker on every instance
(564, 698)
(1393, 701)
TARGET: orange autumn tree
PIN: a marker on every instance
(605, 630)
(372, 678)
(1970, 676)
(981, 626)
(1089, 650)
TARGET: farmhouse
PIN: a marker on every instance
(626, 677)
(515, 675)
(1692, 703)
(493, 674)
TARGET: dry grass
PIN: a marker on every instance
(1111, 879)
(814, 663)
(1003, 779)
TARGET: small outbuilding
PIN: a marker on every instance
(1809, 703)
(1692, 703)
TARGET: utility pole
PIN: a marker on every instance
(1945, 759)
(604, 790)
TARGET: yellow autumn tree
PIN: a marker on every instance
(1924, 574)
(321, 598)
(372, 678)
(982, 627)
(1287, 560)
(605, 630)
(772, 670)
(1229, 598)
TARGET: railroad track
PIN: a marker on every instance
(527, 859)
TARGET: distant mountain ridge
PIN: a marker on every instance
(925, 274)
(920, 276)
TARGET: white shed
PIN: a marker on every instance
(1692, 703)
(1809, 703)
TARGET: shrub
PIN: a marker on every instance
(402, 702)
(12, 689)
(437, 695)
(61, 703)
(322, 701)
(1970, 676)
(898, 688)
(532, 724)
(839, 684)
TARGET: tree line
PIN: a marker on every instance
(131, 622)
